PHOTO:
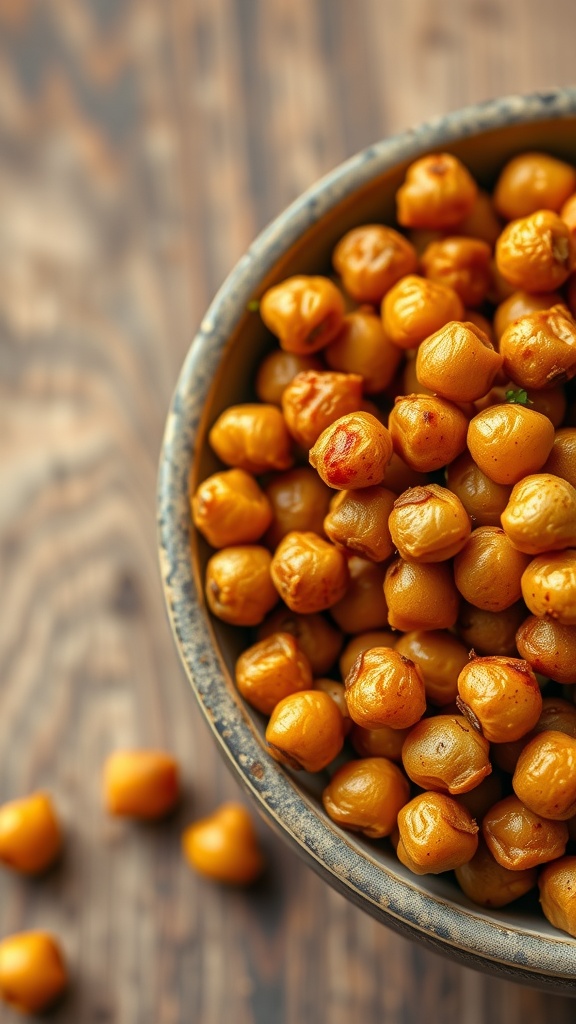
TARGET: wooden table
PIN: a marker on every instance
(142, 146)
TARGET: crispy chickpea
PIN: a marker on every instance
(229, 508)
(358, 522)
(429, 524)
(500, 696)
(480, 799)
(463, 264)
(416, 307)
(491, 632)
(562, 458)
(533, 181)
(549, 648)
(239, 586)
(364, 348)
(482, 322)
(305, 313)
(363, 642)
(520, 304)
(483, 499)
(352, 452)
(32, 971)
(539, 349)
(551, 403)
(558, 894)
(508, 442)
(306, 730)
(420, 595)
(482, 221)
(382, 742)
(438, 193)
(309, 573)
(486, 882)
(447, 754)
(270, 670)
(141, 783)
(541, 514)
(223, 846)
(519, 839)
(366, 796)
(384, 688)
(410, 385)
(536, 253)
(545, 776)
(30, 837)
(315, 399)
(370, 259)
(399, 476)
(568, 212)
(252, 437)
(363, 606)
(440, 656)
(488, 570)
(549, 586)
(299, 501)
(317, 638)
(277, 370)
(427, 432)
(436, 834)
(458, 362)
(337, 692)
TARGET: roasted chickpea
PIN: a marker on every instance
(363, 347)
(352, 452)
(371, 258)
(306, 730)
(363, 642)
(491, 632)
(299, 501)
(486, 882)
(440, 656)
(416, 307)
(539, 350)
(509, 442)
(568, 212)
(30, 837)
(366, 796)
(315, 399)
(427, 432)
(229, 508)
(270, 670)
(384, 688)
(545, 776)
(276, 371)
(562, 458)
(480, 799)
(549, 648)
(420, 595)
(541, 514)
(438, 193)
(429, 524)
(358, 522)
(447, 754)
(32, 971)
(483, 499)
(239, 586)
(224, 846)
(519, 839)
(549, 586)
(520, 304)
(482, 322)
(458, 362)
(317, 638)
(482, 221)
(551, 403)
(399, 476)
(536, 253)
(305, 313)
(488, 570)
(533, 181)
(500, 696)
(558, 894)
(463, 264)
(141, 783)
(253, 438)
(337, 692)
(363, 606)
(436, 834)
(382, 742)
(309, 573)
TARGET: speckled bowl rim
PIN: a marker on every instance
(466, 935)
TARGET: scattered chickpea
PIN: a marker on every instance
(30, 836)
(33, 973)
(224, 846)
(141, 783)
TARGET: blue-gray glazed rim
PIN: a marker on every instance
(514, 942)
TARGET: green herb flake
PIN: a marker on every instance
(518, 396)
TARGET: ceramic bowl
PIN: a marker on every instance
(219, 370)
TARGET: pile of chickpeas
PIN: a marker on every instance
(398, 525)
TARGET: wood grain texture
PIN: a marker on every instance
(142, 146)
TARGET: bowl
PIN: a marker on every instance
(516, 942)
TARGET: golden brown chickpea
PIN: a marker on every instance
(253, 438)
(562, 458)
(483, 499)
(410, 385)
(141, 784)
(549, 648)
(309, 573)
(474, 317)
(447, 754)
(519, 839)
(501, 288)
(505, 755)
(440, 656)
(239, 586)
(276, 371)
(363, 642)
(509, 441)
(370, 259)
(436, 834)
(482, 221)
(352, 452)
(568, 212)
(416, 307)
(315, 399)
(364, 348)
(382, 742)
(224, 846)
(549, 586)
(337, 692)
(545, 776)
(366, 796)
(438, 193)
(305, 313)
(491, 632)
(399, 476)
(570, 292)
(558, 894)
(421, 595)
(384, 688)
(500, 696)
(458, 362)
(32, 971)
(480, 799)
(536, 253)
(541, 514)
(270, 670)
(306, 730)
(486, 882)
(539, 349)
(317, 638)
(299, 501)
(463, 264)
(551, 403)
(429, 524)
(358, 522)
(488, 570)
(427, 432)
(30, 837)
(229, 508)
(533, 181)
(521, 304)
(363, 606)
